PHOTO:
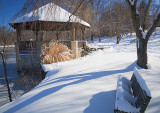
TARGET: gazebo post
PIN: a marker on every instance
(36, 32)
(18, 30)
(41, 33)
(83, 30)
(84, 42)
(38, 44)
(73, 33)
(17, 45)
(74, 43)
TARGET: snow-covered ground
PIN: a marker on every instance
(88, 84)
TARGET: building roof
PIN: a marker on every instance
(50, 13)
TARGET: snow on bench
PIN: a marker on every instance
(132, 95)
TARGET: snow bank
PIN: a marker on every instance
(53, 66)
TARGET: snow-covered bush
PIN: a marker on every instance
(55, 52)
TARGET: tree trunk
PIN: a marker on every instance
(119, 38)
(92, 38)
(142, 54)
(57, 36)
(142, 43)
(100, 38)
(5, 71)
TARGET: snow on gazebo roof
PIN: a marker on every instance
(51, 13)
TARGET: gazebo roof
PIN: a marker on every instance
(50, 13)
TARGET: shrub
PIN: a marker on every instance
(55, 52)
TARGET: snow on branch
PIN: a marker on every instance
(137, 13)
(132, 2)
(140, 28)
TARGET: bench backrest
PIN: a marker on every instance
(142, 98)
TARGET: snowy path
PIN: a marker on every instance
(85, 85)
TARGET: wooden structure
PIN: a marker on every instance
(133, 95)
(47, 18)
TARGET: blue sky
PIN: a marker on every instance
(8, 9)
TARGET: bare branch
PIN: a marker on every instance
(128, 2)
(135, 18)
(76, 9)
(153, 27)
(146, 14)
(2, 3)
(26, 5)
(135, 2)
(98, 4)
(132, 2)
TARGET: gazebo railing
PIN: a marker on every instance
(27, 45)
(28, 53)
(65, 42)
(32, 45)
(81, 44)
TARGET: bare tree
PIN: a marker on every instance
(142, 38)
(3, 56)
(5, 71)
(115, 20)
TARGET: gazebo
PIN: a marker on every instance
(49, 17)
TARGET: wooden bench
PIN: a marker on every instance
(95, 49)
(133, 95)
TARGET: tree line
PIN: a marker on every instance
(7, 36)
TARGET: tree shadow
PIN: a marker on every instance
(102, 102)
(88, 76)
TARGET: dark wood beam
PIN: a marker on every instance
(73, 33)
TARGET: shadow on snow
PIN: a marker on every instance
(102, 102)
(81, 78)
